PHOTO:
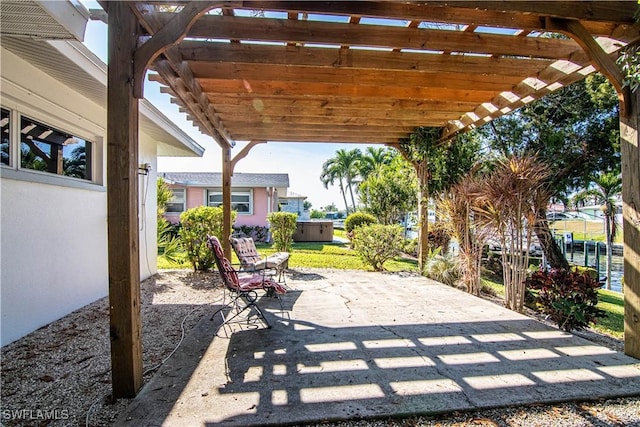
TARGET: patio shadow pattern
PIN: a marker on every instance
(360, 345)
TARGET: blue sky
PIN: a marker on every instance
(303, 162)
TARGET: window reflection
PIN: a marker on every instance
(177, 201)
(240, 201)
(6, 135)
(48, 149)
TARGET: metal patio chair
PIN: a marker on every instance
(242, 290)
(252, 262)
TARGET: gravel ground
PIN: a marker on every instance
(60, 374)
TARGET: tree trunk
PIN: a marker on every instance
(353, 201)
(423, 213)
(344, 197)
(550, 248)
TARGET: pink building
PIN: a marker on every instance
(253, 195)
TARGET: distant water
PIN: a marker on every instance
(617, 266)
(577, 258)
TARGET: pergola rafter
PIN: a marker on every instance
(364, 72)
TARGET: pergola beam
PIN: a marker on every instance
(500, 14)
(207, 52)
(296, 31)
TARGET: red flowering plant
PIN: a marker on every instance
(569, 298)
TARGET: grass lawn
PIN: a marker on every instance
(318, 255)
(613, 304)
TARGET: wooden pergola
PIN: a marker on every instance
(347, 72)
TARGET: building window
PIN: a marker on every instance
(6, 136)
(47, 149)
(176, 203)
(241, 201)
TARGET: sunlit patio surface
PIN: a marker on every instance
(360, 345)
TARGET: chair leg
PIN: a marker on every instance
(249, 302)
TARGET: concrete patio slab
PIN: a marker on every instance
(360, 344)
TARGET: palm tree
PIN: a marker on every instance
(506, 201)
(373, 159)
(330, 174)
(608, 186)
(343, 168)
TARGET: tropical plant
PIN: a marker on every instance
(507, 200)
(608, 186)
(197, 223)
(575, 131)
(358, 219)
(373, 159)
(283, 227)
(569, 298)
(442, 268)
(457, 209)
(390, 191)
(169, 246)
(438, 166)
(629, 62)
(378, 243)
(342, 168)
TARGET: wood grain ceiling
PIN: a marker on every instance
(372, 71)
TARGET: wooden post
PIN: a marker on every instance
(630, 150)
(226, 200)
(122, 205)
(423, 212)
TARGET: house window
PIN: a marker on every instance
(176, 203)
(241, 201)
(47, 149)
(6, 136)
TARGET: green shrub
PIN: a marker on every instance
(196, 224)
(378, 243)
(316, 214)
(283, 227)
(358, 219)
(442, 268)
(410, 247)
(169, 247)
(569, 298)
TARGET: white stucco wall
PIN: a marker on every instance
(147, 208)
(53, 230)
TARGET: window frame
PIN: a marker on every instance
(88, 145)
(238, 192)
(93, 167)
(171, 201)
(9, 131)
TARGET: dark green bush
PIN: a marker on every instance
(358, 219)
(197, 223)
(569, 298)
(377, 243)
